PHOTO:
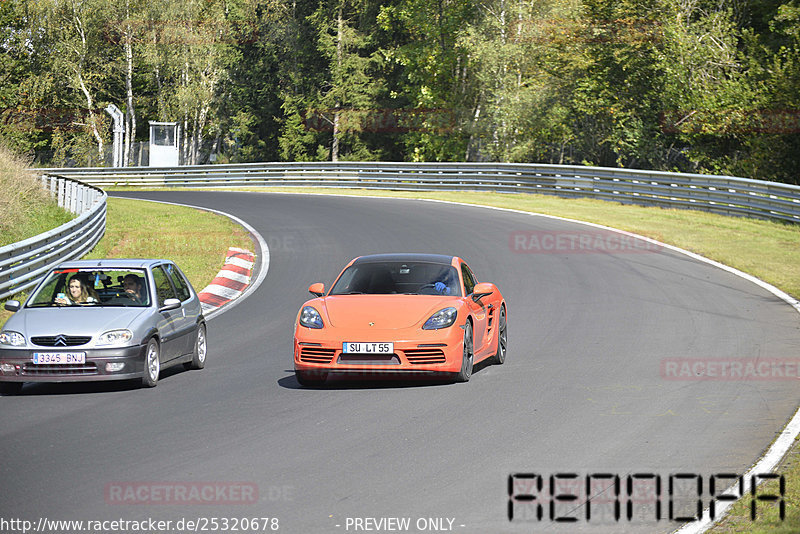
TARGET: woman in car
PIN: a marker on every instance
(79, 293)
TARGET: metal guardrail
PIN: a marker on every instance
(24, 263)
(720, 194)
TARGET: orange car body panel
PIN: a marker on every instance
(396, 318)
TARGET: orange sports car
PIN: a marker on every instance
(400, 313)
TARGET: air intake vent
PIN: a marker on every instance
(425, 356)
(60, 341)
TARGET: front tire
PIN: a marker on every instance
(311, 378)
(200, 350)
(152, 364)
(465, 373)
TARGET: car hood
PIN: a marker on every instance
(75, 321)
(388, 312)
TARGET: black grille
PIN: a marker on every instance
(31, 369)
(60, 341)
(425, 356)
(316, 355)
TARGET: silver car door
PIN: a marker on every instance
(171, 321)
(190, 307)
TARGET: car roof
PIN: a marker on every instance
(409, 257)
(124, 263)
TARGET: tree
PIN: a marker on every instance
(432, 81)
(351, 86)
(68, 36)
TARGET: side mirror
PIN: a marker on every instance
(317, 289)
(170, 304)
(12, 305)
(483, 289)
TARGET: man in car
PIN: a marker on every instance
(132, 285)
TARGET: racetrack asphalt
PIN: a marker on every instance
(583, 389)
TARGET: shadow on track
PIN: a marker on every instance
(342, 381)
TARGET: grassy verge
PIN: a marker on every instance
(25, 209)
(196, 240)
(767, 516)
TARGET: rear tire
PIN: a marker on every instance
(200, 350)
(152, 364)
(311, 378)
(467, 357)
(502, 338)
(10, 388)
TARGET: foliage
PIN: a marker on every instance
(691, 85)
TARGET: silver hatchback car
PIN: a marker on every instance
(103, 320)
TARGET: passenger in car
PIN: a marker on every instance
(79, 292)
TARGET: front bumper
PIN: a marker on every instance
(94, 368)
(424, 353)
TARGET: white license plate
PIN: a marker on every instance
(367, 348)
(58, 358)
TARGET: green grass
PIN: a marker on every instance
(767, 515)
(36, 218)
(26, 209)
(196, 240)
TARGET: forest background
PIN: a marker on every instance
(709, 86)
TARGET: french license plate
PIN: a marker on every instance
(58, 358)
(367, 348)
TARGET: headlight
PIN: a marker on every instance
(310, 318)
(15, 339)
(114, 337)
(441, 319)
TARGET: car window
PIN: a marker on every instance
(469, 279)
(181, 285)
(54, 284)
(164, 288)
(105, 287)
(405, 278)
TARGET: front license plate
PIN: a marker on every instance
(58, 358)
(367, 348)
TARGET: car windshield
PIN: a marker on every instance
(409, 278)
(92, 287)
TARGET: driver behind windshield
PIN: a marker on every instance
(132, 285)
(447, 283)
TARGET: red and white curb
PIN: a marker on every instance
(230, 282)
